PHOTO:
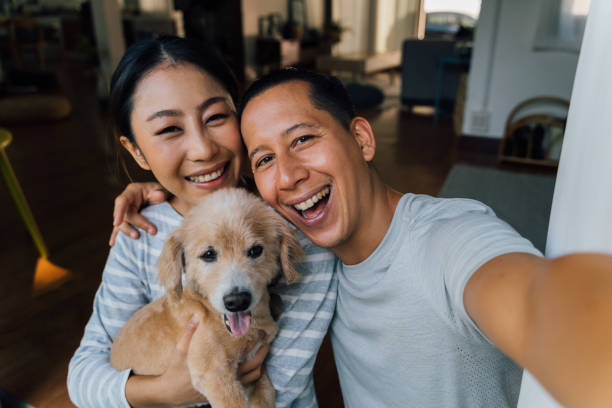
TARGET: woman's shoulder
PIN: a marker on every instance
(163, 215)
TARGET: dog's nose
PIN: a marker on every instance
(237, 301)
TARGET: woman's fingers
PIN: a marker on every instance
(250, 370)
(157, 196)
(183, 344)
(122, 204)
(251, 376)
(113, 236)
(134, 219)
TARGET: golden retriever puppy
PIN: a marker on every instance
(230, 247)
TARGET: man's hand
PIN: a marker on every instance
(126, 214)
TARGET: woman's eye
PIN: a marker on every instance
(262, 161)
(217, 117)
(209, 256)
(169, 129)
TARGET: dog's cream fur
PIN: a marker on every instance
(229, 221)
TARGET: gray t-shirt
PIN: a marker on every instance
(401, 334)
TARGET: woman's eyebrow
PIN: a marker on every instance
(164, 113)
(200, 107)
(211, 101)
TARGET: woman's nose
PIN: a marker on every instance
(201, 147)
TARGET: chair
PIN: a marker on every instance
(536, 137)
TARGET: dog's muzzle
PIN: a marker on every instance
(238, 320)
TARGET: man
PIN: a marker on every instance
(434, 294)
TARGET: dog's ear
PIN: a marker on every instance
(171, 263)
(291, 252)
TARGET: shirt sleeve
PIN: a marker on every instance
(92, 381)
(456, 244)
(307, 308)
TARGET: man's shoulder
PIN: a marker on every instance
(421, 210)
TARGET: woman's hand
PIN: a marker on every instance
(127, 206)
(250, 370)
(174, 386)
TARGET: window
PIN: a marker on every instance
(561, 25)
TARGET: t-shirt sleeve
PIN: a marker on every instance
(456, 243)
(307, 308)
(92, 381)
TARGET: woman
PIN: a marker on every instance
(173, 110)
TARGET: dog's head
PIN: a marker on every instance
(231, 246)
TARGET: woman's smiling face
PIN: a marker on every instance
(186, 132)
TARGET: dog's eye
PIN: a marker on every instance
(255, 251)
(209, 256)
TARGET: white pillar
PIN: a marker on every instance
(581, 215)
(109, 39)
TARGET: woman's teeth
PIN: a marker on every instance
(304, 205)
(207, 177)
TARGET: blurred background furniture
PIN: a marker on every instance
(359, 64)
(534, 132)
(430, 72)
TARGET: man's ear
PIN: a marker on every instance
(364, 135)
(135, 152)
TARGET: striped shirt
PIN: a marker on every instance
(129, 281)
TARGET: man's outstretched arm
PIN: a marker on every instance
(553, 317)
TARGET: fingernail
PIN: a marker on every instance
(151, 231)
(133, 235)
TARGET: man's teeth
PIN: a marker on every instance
(304, 205)
(207, 177)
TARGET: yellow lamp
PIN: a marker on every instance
(47, 276)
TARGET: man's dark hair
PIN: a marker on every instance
(326, 92)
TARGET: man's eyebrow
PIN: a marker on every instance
(201, 107)
(300, 126)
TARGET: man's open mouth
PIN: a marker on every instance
(313, 206)
(238, 324)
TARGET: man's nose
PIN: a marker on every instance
(289, 172)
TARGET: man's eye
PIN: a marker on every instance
(255, 251)
(209, 256)
(262, 161)
(303, 139)
(169, 129)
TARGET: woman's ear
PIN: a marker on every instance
(135, 152)
(364, 136)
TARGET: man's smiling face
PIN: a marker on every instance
(306, 164)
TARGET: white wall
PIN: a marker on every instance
(505, 70)
(375, 25)
(580, 217)
(396, 20)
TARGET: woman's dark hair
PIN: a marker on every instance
(326, 92)
(142, 57)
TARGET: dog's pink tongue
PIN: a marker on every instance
(240, 323)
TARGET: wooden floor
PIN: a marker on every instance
(66, 171)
